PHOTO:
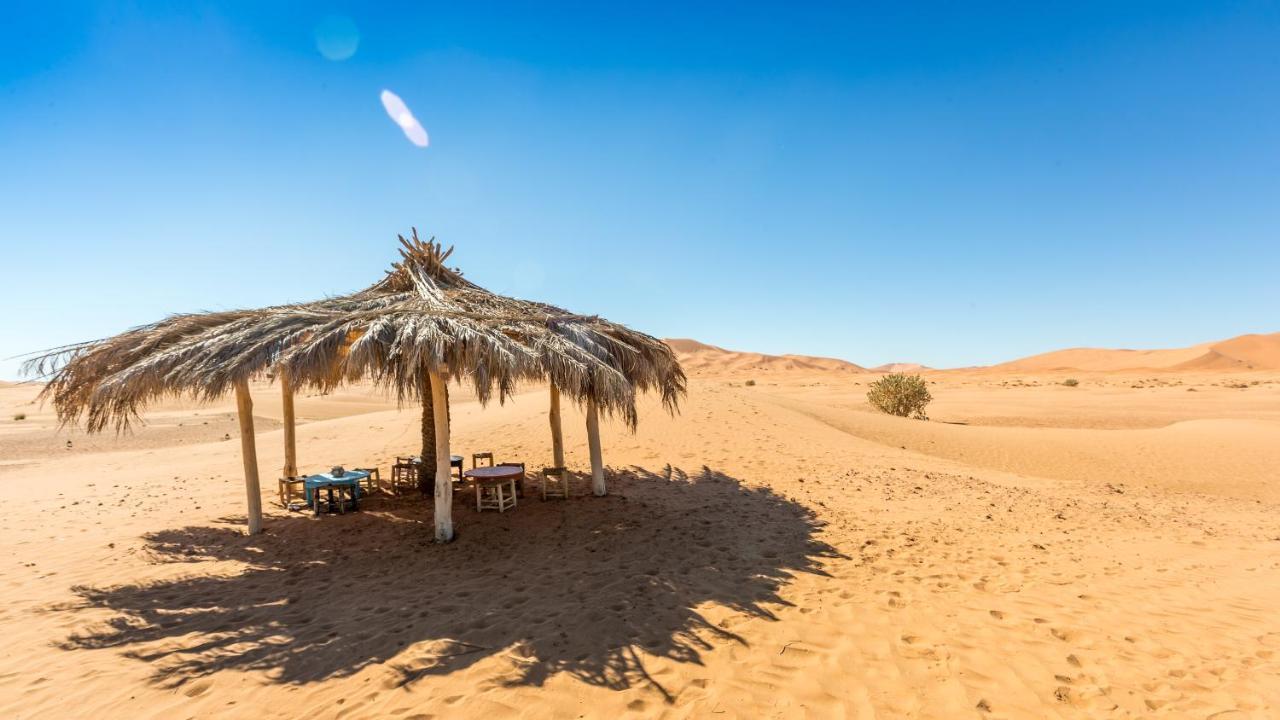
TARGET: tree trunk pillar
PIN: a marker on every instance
(427, 469)
(249, 451)
(444, 479)
(593, 444)
(290, 431)
(557, 435)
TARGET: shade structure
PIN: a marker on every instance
(422, 320)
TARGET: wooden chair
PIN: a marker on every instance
(372, 483)
(404, 474)
(518, 481)
(286, 489)
(497, 495)
(555, 483)
(477, 457)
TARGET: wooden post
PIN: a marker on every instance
(557, 436)
(444, 479)
(290, 433)
(593, 444)
(249, 451)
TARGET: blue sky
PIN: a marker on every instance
(951, 183)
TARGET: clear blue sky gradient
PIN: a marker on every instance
(951, 184)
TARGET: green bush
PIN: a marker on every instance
(1071, 382)
(20, 416)
(750, 383)
(901, 395)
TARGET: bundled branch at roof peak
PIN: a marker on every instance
(420, 258)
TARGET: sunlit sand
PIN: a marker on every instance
(776, 550)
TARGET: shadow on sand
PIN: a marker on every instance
(585, 587)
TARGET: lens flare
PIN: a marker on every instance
(337, 37)
(400, 115)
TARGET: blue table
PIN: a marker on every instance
(350, 478)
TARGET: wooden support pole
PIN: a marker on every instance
(290, 431)
(249, 451)
(444, 479)
(557, 436)
(593, 444)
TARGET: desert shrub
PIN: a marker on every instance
(750, 383)
(1071, 382)
(20, 416)
(900, 394)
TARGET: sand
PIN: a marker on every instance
(777, 550)
(1243, 353)
(702, 359)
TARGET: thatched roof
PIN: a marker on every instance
(422, 317)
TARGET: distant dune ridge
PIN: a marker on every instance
(901, 368)
(1246, 352)
(700, 358)
(1243, 353)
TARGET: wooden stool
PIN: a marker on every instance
(555, 483)
(287, 484)
(404, 474)
(518, 481)
(497, 495)
(373, 482)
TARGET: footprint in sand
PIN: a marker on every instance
(197, 689)
(1063, 635)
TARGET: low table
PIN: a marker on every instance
(349, 481)
(495, 480)
(455, 461)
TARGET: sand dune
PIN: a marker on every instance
(700, 359)
(900, 368)
(1239, 354)
(777, 550)
(1246, 352)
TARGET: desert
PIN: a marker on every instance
(776, 549)
(629, 361)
